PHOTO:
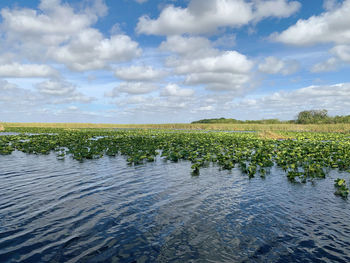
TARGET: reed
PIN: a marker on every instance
(340, 127)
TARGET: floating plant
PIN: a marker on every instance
(342, 189)
(303, 156)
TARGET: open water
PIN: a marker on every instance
(106, 211)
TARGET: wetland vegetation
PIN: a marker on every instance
(338, 127)
(303, 156)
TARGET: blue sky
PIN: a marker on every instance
(139, 61)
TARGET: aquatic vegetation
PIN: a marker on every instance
(342, 189)
(303, 156)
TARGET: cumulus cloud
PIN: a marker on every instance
(164, 106)
(139, 73)
(89, 50)
(175, 90)
(188, 46)
(201, 64)
(16, 70)
(219, 81)
(61, 91)
(19, 103)
(5, 85)
(132, 88)
(13, 97)
(328, 65)
(53, 25)
(206, 108)
(59, 33)
(275, 8)
(6, 57)
(55, 88)
(72, 108)
(226, 41)
(329, 27)
(201, 17)
(342, 52)
(273, 65)
(330, 4)
(335, 98)
(226, 62)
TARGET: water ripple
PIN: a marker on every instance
(107, 211)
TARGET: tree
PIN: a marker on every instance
(312, 116)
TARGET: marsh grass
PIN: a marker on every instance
(2, 128)
(269, 135)
(340, 127)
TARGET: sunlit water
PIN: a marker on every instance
(106, 211)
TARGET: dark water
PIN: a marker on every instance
(106, 211)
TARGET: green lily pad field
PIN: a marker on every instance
(303, 156)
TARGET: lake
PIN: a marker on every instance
(105, 210)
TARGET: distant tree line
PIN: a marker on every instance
(234, 121)
(303, 117)
(319, 117)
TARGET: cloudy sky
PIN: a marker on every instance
(166, 61)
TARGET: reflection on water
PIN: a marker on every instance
(106, 211)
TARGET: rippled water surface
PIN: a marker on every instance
(106, 211)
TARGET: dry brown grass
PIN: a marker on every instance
(269, 135)
(222, 127)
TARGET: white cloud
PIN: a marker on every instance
(219, 81)
(188, 46)
(96, 8)
(19, 103)
(275, 8)
(56, 23)
(328, 65)
(55, 88)
(5, 85)
(61, 34)
(165, 106)
(201, 64)
(206, 108)
(61, 91)
(207, 16)
(16, 70)
(135, 100)
(132, 88)
(329, 27)
(88, 50)
(226, 62)
(6, 58)
(141, 1)
(273, 65)
(335, 98)
(139, 73)
(15, 98)
(72, 108)
(226, 41)
(342, 52)
(176, 91)
(330, 4)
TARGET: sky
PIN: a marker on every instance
(172, 61)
